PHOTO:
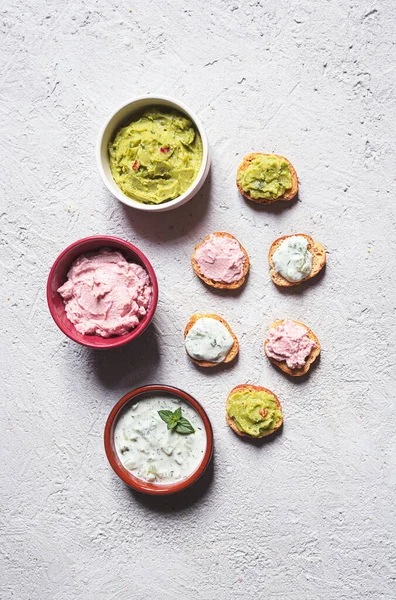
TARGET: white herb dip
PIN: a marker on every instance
(208, 339)
(292, 259)
(151, 451)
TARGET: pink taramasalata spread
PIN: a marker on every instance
(289, 342)
(220, 258)
(106, 295)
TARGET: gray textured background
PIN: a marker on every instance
(309, 515)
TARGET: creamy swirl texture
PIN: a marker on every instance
(105, 294)
(152, 452)
(289, 342)
(156, 157)
(292, 259)
(208, 340)
(220, 258)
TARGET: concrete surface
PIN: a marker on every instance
(310, 514)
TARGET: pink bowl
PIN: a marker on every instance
(58, 276)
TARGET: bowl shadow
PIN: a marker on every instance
(181, 500)
(167, 226)
(132, 364)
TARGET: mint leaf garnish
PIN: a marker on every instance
(176, 421)
(165, 415)
(184, 426)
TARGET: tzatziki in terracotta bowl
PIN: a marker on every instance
(158, 439)
(102, 292)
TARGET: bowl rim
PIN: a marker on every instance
(112, 342)
(195, 185)
(140, 484)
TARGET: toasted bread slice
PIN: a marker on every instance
(233, 351)
(288, 195)
(310, 359)
(221, 285)
(252, 388)
(318, 260)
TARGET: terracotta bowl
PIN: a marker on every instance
(140, 484)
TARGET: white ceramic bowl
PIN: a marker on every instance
(120, 118)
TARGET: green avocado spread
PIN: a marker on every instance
(267, 176)
(253, 412)
(156, 157)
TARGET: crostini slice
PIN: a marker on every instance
(233, 350)
(221, 284)
(281, 364)
(252, 389)
(289, 193)
(318, 260)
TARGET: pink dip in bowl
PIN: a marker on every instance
(58, 276)
(105, 294)
(220, 258)
(289, 341)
